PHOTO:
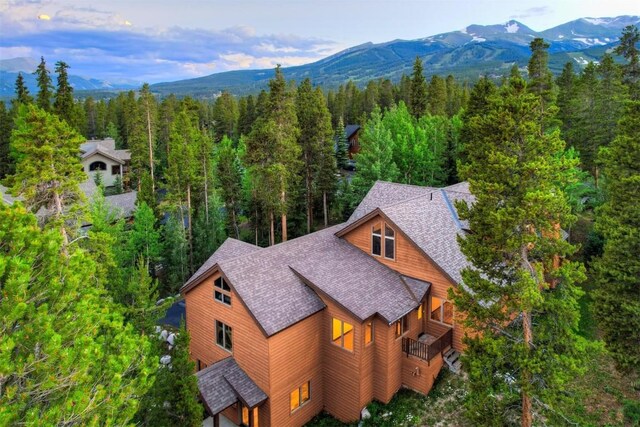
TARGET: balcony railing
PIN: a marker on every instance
(426, 351)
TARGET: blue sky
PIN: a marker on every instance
(162, 40)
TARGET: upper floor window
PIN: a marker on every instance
(420, 311)
(441, 311)
(98, 166)
(389, 240)
(376, 239)
(402, 325)
(300, 396)
(224, 336)
(368, 332)
(115, 169)
(222, 291)
(342, 334)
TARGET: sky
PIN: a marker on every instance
(166, 40)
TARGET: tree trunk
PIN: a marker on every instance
(189, 228)
(308, 185)
(57, 200)
(284, 217)
(272, 238)
(206, 189)
(324, 208)
(235, 221)
(153, 181)
(526, 376)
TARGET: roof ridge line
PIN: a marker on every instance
(454, 214)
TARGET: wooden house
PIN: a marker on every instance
(352, 133)
(332, 320)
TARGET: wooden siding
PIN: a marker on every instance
(250, 346)
(410, 262)
(295, 356)
(419, 375)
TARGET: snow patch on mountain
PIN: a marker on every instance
(512, 27)
(589, 41)
(597, 21)
(478, 39)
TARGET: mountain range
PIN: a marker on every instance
(467, 54)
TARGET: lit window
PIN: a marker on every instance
(368, 332)
(401, 326)
(342, 334)
(224, 336)
(222, 291)
(98, 166)
(300, 396)
(389, 242)
(441, 311)
(376, 239)
(245, 415)
(420, 311)
(255, 417)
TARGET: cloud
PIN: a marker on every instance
(533, 11)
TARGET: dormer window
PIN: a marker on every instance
(222, 291)
(389, 240)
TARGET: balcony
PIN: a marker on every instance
(427, 350)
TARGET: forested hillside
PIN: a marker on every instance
(270, 167)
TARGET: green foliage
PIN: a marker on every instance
(208, 234)
(22, 93)
(342, 146)
(225, 116)
(7, 164)
(117, 185)
(63, 104)
(67, 357)
(175, 253)
(437, 96)
(45, 88)
(618, 220)
(229, 180)
(523, 342)
(418, 90)
(628, 48)
(143, 240)
(540, 77)
(632, 412)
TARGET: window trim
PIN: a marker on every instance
(298, 390)
(441, 322)
(378, 235)
(404, 326)
(220, 290)
(342, 333)
(98, 166)
(393, 238)
(116, 166)
(224, 336)
(373, 332)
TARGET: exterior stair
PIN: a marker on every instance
(452, 359)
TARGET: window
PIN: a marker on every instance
(420, 311)
(245, 416)
(224, 336)
(222, 291)
(255, 417)
(389, 242)
(401, 326)
(376, 239)
(300, 396)
(342, 334)
(115, 169)
(441, 311)
(368, 332)
(98, 166)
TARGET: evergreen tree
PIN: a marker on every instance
(225, 116)
(540, 77)
(72, 360)
(143, 242)
(437, 96)
(315, 141)
(7, 164)
(48, 168)
(628, 48)
(208, 231)
(45, 87)
(63, 104)
(567, 101)
(273, 153)
(175, 253)
(148, 109)
(618, 270)
(342, 146)
(518, 303)
(229, 180)
(418, 90)
(22, 93)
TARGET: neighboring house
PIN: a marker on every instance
(334, 319)
(101, 157)
(352, 132)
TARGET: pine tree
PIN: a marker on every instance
(618, 270)
(418, 104)
(342, 146)
(315, 142)
(208, 231)
(540, 77)
(628, 48)
(567, 101)
(225, 116)
(229, 180)
(63, 104)
(175, 253)
(7, 164)
(143, 242)
(45, 87)
(437, 96)
(518, 303)
(148, 109)
(22, 93)
(48, 168)
(273, 153)
(72, 360)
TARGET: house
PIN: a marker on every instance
(352, 132)
(334, 319)
(101, 157)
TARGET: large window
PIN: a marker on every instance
(300, 396)
(441, 311)
(342, 334)
(376, 239)
(98, 166)
(224, 336)
(389, 242)
(115, 169)
(402, 326)
(222, 291)
(368, 332)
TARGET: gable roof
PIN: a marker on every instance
(349, 130)
(224, 382)
(105, 147)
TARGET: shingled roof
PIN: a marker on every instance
(224, 383)
(106, 147)
(387, 193)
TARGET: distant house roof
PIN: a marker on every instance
(7, 197)
(125, 203)
(224, 383)
(349, 130)
(105, 147)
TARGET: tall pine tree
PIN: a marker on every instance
(45, 87)
(418, 104)
(63, 104)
